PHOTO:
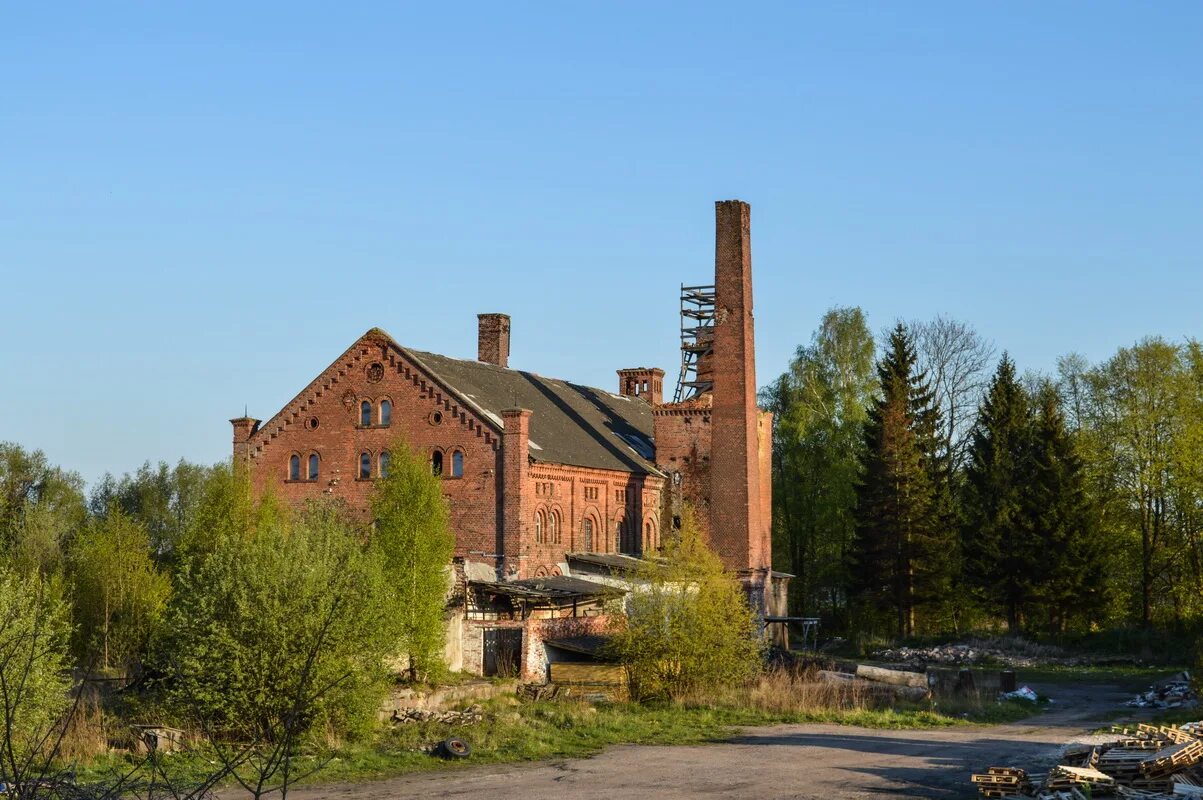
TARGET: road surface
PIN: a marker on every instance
(831, 762)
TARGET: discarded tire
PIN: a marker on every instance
(455, 747)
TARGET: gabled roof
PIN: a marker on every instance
(570, 424)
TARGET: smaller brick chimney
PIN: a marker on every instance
(515, 471)
(244, 429)
(644, 382)
(493, 339)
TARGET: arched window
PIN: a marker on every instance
(539, 526)
(457, 464)
(313, 466)
(386, 412)
(553, 526)
(365, 414)
(365, 465)
(436, 462)
(294, 468)
(587, 531)
(386, 461)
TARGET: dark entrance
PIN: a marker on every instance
(503, 652)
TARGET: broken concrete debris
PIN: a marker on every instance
(1005, 651)
(1151, 762)
(1173, 692)
(469, 716)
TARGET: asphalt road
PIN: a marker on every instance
(832, 762)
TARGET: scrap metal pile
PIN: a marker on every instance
(1150, 762)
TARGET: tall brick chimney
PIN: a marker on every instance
(643, 382)
(493, 339)
(739, 531)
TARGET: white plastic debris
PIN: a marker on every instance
(1022, 693)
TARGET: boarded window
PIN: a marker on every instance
(587, 530)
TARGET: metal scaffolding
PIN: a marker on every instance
(697, 340)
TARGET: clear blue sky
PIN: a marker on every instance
(201, 205)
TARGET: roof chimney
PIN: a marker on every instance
(644, 382)
(493, 339)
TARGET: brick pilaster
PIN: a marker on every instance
(515, 466)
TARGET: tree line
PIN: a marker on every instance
(212, 605)
(925, 486)
(265, 629)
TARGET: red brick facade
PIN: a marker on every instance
(506, 509)
(511, 508)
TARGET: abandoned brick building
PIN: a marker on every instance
(550, 484)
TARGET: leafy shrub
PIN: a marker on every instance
(688, 625)
(286, 627)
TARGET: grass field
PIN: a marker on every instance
(515, 731)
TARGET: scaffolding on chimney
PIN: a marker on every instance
(697, 340)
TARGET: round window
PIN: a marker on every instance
(311, 423)
(436, 418)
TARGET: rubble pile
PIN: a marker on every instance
(469, 716)
(1151, 762)
(1011, 652)
(1174, 692)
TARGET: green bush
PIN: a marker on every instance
(288, 624)
(34, 633)
(688, 625)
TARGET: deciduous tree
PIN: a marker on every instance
(413, 534)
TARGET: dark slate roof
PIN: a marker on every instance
(570, 424)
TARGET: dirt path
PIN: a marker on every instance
(832, 762)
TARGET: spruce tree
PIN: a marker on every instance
(1060, 519)
(1001, 559)
(900, 560)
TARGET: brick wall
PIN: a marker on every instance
(606, 498)
(431, 421)
(683, 436)
(422, 413)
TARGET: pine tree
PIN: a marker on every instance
(900, 560)
(1001, 558)
(1060, 519)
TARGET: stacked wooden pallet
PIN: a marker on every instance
(1001, 782)
(1150, 762)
